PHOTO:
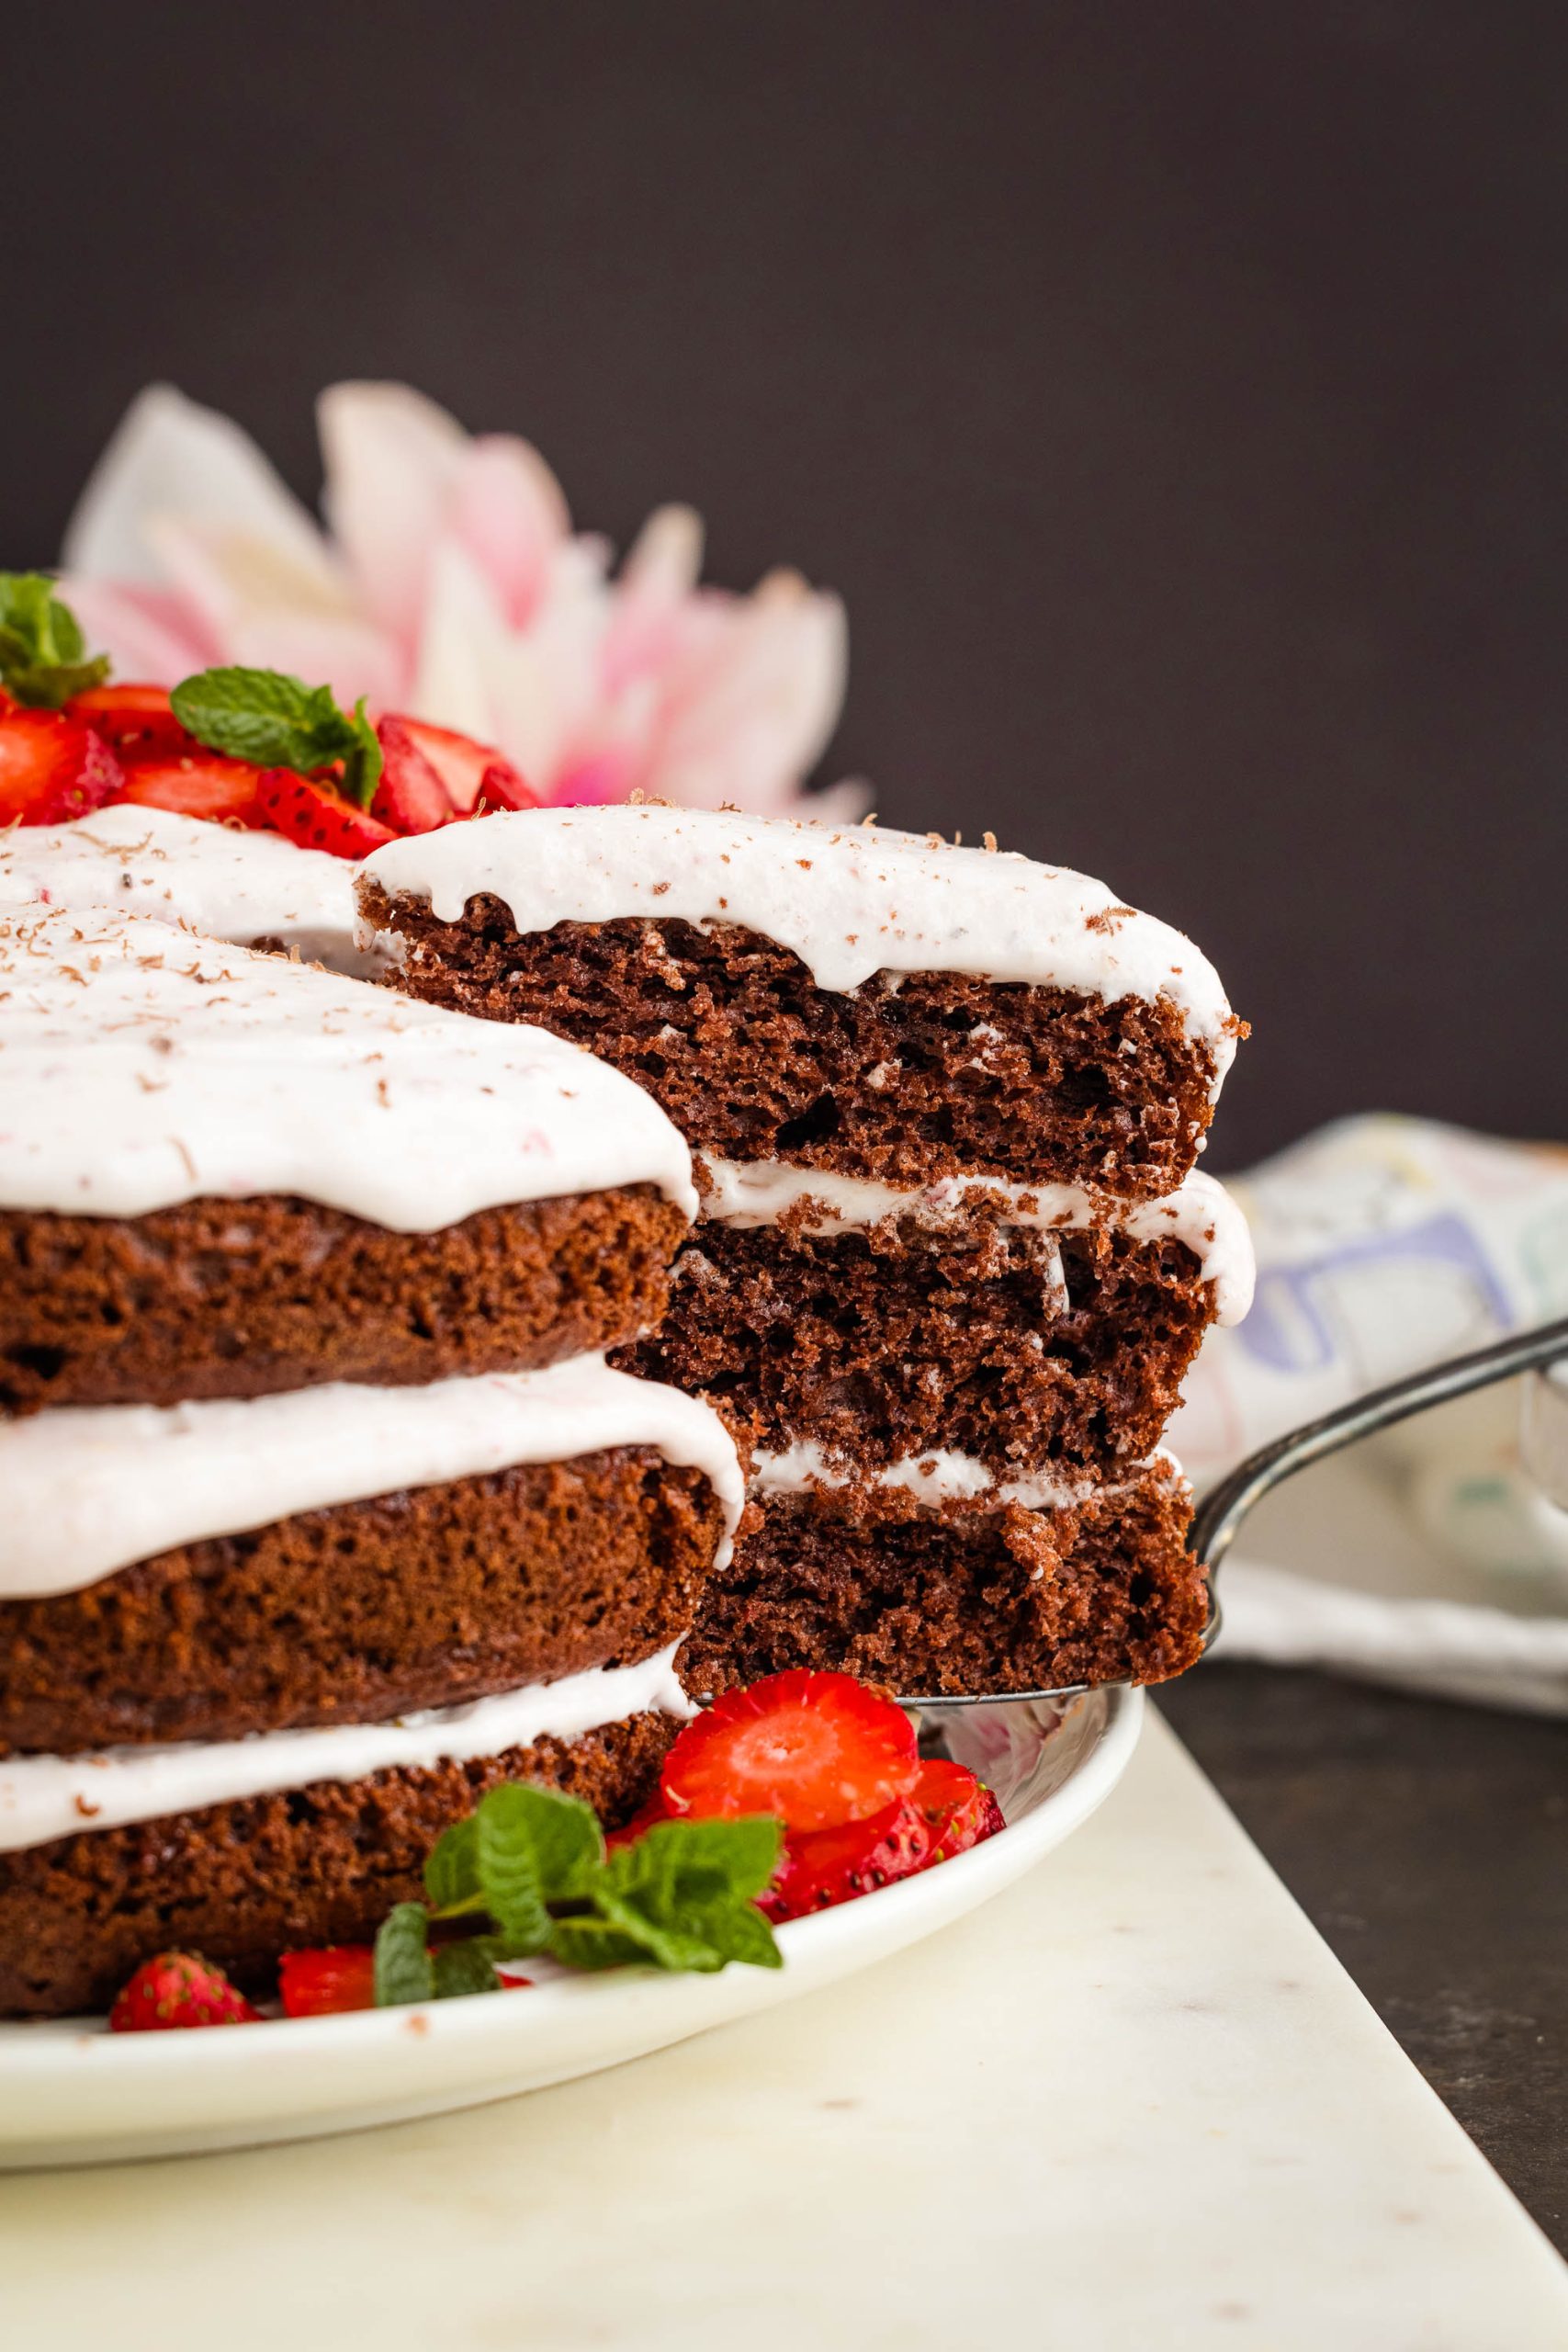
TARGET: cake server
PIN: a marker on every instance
(1220, 1514)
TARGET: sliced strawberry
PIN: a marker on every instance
(324, 1984)
(52, 768)
(203, 783)
(501, 787)
(410, 796)
(137, 720)
(315, 816)
(178, 1988)
(960, 1809)
(814, 1748)
(464, 765)
(827, 1866)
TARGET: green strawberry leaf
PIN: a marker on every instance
(42, 646)
(404, 1971)
(467, 1967)
(276, 721)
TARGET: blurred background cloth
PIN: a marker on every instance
(1432, 1556)
(1174, 396)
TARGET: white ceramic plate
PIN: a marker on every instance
(71, 2093)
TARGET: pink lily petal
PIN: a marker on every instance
(392, 457)
(148, 636)
(657, 581)
(506, 508)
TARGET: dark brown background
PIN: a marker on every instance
(1179, 395)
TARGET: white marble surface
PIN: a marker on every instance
(1133, 2103)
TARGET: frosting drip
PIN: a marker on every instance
(140, 1066)
(1199, 1213)
(44, 1797)
(848, 901)
(88, 1489)
(217, 880)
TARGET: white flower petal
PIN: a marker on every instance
(169, 456)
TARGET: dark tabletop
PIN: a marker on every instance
(1179, 395)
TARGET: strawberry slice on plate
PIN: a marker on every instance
(52, 768)
(325, 1982)
(823, 1867)
(137, 720)
(465, 767)
(959, 1809)
(313, 816)
(409, 796)
(814, 1748)
(178, 1988)
(202, 783)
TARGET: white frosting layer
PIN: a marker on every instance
(848, 901)
(940, 1477)
(140, 1066)
(1200, 1213)
(221, 882)
(44, 1797)
(88, 1489)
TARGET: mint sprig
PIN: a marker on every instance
(42, 651)
(276, 721)
(528, 1869)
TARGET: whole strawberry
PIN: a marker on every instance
(179, 1989)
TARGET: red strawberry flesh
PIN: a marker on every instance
(53, 768)
(203, 784)
(179, 1989)
(329, 1982)
(463, 765)
(410, 796)
(823, 1867)
(814, 1748)
(313, 816)
(960, 1809)
(137, 720)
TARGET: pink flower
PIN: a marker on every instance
(449, 582)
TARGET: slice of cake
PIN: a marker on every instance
(954, 1261)
(323, 1509)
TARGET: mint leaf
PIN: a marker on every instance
(276, 721)
(403, 1968)
(467, 1967)
(682, 1891)
(42, 647)
(452, 1869)
(532, 1847)
(593, 1943)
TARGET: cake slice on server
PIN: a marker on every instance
(955, 1259)
(323, 1509)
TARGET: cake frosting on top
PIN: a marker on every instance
(848, 901)
(216, 880)
(140, 1066)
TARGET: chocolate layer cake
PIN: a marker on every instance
(324, 1508)
(953, 1259)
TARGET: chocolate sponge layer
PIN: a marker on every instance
(367, 1610)
(939, 1075)
(251, 1297)
(242, 1883)
(964, 1600)
(888, 1342)
(254, 1297)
